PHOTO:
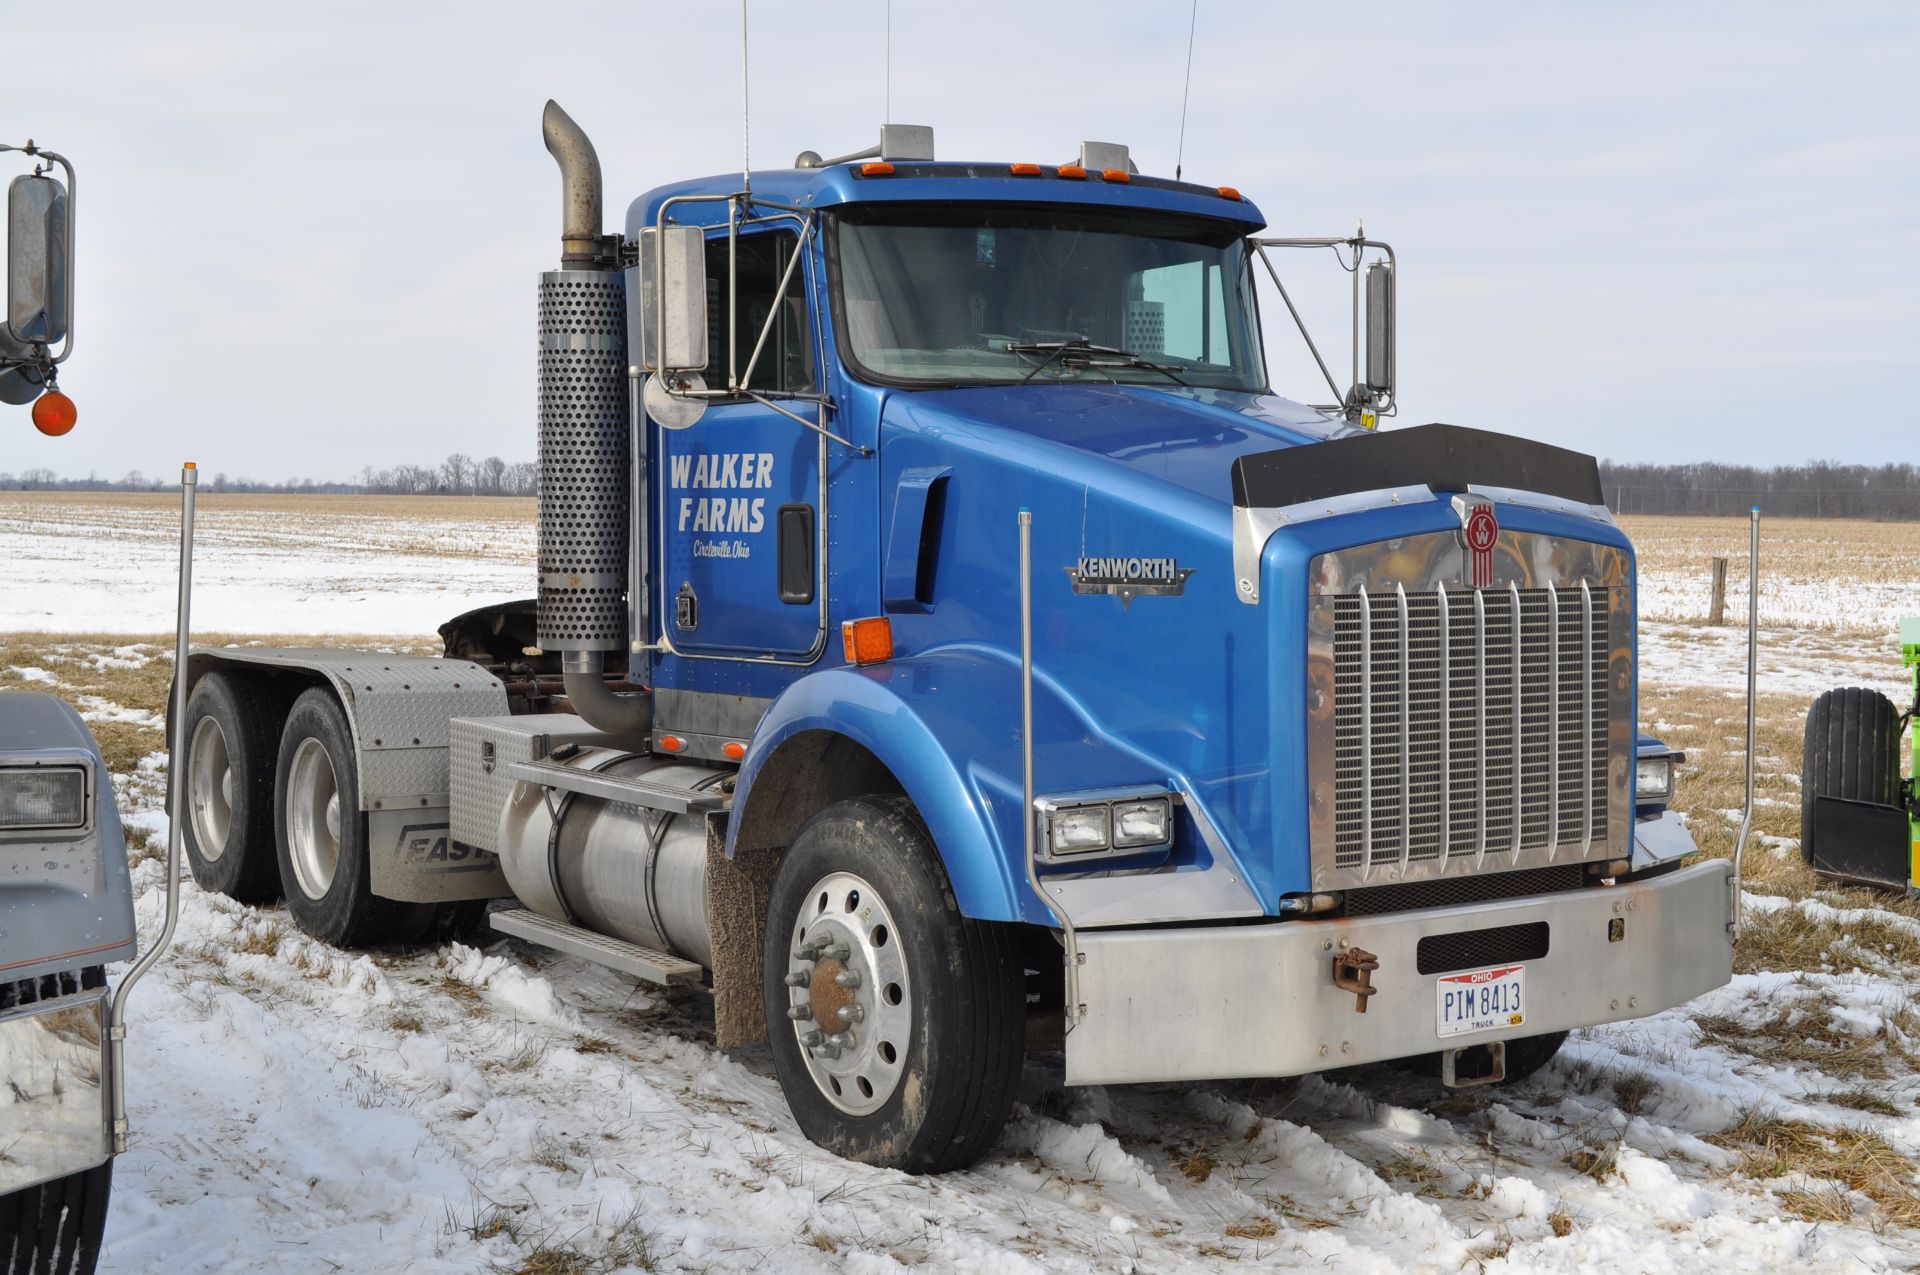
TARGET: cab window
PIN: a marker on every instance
(786, 364)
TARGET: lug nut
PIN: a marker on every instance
(852, 1013)
(846, 978)
(836, 951)
(812, 1039)
(808, 951)
(799, 978)
(800, 1013)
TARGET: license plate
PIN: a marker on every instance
(1480, 1000)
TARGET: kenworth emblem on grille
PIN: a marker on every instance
(1130, 578)
(1480, 532)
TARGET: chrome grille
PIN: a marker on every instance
(1470, 724)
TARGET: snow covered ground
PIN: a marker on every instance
(309, 565)
(501, 1108)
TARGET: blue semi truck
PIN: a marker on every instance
(947, 640)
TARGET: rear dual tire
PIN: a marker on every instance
(320, 835)
(232, 738)
(55, 1228)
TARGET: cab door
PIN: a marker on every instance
(740, 493)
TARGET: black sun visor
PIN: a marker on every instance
(1443, 457)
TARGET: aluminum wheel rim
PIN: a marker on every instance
(854, 1033)
(210, 788)
(313, 818)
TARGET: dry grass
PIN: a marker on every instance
(1824, 1166)
(1253, 1228)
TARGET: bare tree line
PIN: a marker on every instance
(457, 475)
(1817, 489)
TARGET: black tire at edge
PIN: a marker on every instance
(1851, 750)
(55, 1228)
(251, 724)
(967, 1076)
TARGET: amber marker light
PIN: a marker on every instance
(868, 641)
(54, 413)
(879, 169)
(1229, 192)
(672, 743)
(1072, 172)
(1115, 175)
(734, 750)
(1025, 170)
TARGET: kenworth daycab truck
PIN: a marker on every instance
(944, 632)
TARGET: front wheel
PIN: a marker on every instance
(55, 1228)
(897, 1025)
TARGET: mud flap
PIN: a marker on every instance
(1861, 842)
(738, 891)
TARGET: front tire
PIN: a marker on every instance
(919, 1073)
(231, 737)
(320, 834)
(1851, 750)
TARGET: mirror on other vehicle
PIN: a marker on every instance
(37, 229)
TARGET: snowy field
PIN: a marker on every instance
(502, 1109)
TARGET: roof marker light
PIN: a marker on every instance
(1115, 175)
(879, 168)
(1072, 172)
(868, 641)
(1025, 170)
(1230, 192)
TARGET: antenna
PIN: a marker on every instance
(888, 117)
(746, 149)
(1193, 20)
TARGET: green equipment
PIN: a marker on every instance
(1858, 820)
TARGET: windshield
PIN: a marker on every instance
(979, 294)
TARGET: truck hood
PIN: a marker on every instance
(1184, 438)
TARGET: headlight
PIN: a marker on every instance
(1653, 777)
(1142, 823)
(1078, 830)
(43, 797)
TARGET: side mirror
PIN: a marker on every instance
(673, 299)
(37, 231)
(1380, 333)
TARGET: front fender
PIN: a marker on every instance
(946, 723)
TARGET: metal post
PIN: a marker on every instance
(176, 817)
(1069, 942)
(1753, 641)
(1717, 605)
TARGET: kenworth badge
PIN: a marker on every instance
(1480, 532)
(1130, 578)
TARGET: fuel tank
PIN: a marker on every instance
(618, 869)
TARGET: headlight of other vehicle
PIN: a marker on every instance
(42, 797)
(1653, 776)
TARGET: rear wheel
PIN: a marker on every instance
(1852, 750)
(897, 1025)
(231, 738)
(320, 833)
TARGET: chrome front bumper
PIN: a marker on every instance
(54, 1117)
(1259, 1000)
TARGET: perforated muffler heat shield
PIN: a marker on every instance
(583, 461)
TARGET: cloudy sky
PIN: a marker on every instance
(310, 235)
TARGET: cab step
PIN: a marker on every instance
(628, 958)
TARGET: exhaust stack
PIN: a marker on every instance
(584, 518)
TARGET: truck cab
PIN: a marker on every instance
(957, 636)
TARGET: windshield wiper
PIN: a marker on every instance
(1085, 353)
